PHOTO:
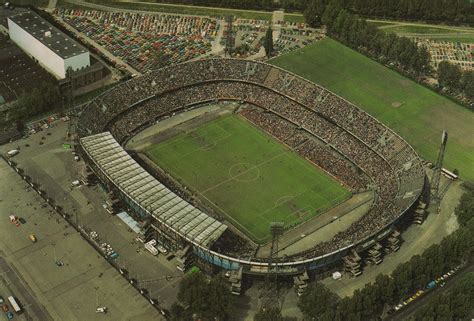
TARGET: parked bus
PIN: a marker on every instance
(449, 174)
(14, 304)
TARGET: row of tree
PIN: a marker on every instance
(453, 77)
(453, 11)
(358, 34)
(457, 304)
(370, 302)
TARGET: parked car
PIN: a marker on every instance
(9, 315)
(5, 307)
(1, 300)
(22, 220)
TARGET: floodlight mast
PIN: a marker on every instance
(270, 297)
(435, 192)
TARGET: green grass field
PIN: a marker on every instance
(421, 117)
(461, 34)
(248, 175)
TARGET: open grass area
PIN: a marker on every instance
(248, 175)
(445, 33)
(421, 116)
(298, 18)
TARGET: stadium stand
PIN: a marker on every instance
(322, 127)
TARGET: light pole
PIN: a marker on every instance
(54, 251)
(96, 296)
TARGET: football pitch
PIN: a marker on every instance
(248, 175)
(416, 113)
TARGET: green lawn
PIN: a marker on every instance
(420, 119)
(294, 18)
(248, 175)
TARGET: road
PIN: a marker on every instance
(405, 313)
(17, 287)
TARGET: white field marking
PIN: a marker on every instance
(244, 172)
(242, 180)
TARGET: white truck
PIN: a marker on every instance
(14, 304)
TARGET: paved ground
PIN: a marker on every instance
(58, 287)
(415, 240)
(67, 292)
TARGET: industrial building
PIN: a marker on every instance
(49, 46)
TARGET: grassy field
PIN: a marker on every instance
(248, 175)
(421, 117)
(452, 34)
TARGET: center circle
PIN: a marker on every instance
(244, 172)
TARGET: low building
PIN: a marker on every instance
(48, 45)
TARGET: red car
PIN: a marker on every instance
(5, 307)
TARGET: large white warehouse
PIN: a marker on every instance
(55, 51)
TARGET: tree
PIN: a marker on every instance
(192, 289)
(467, 83)
(465, 209)
(268, 42)
(20, 125)
(178, 313)
(269, 314)
(314, 12)
(316, 300)
(449, 75)
(209, 300)
(219, 300)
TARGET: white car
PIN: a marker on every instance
(101, 310)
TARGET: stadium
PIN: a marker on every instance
(212, 209)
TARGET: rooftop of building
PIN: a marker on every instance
(46, 33)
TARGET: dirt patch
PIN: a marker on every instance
(201, 141)
(396, 104)
(298, 211)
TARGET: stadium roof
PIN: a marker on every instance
(149, 193)
(47, 34)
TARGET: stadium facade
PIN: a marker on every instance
(53, 50)
(395, 170)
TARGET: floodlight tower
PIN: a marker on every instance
(435, 193)
(270, 293)
(229, 46)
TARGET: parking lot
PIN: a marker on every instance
(71, 291)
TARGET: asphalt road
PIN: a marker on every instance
(33, 310)
(406, 312)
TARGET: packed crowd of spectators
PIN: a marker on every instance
(144, 41)
(322, 127)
